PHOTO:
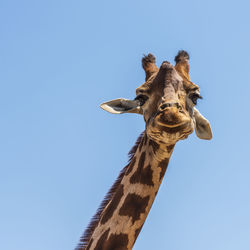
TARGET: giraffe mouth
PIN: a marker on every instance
(176, 125)
(183, 130)
(172, 119)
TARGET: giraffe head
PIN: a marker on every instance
(167, 101)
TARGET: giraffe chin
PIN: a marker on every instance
(163, 133)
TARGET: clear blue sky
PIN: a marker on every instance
(59, 152)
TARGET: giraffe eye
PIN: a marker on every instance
(194, 97)
(142, 99)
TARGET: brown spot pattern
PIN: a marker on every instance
(89, 245)
(140, 146)
(163, 165)
(170, 148)
(145, 139)
(143, 175)
(108, 212)
(133, 150)
(113, 242)
(133, 206)
(100, 243)
(85, 239)
(117, 242)
(154, 145)
(137, 231)
(130, 166)
(143, 142)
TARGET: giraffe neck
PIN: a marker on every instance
(124, 215)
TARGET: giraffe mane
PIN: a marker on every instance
(95, 219)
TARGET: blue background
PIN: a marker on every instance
(60, 153)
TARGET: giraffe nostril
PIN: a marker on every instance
(168, 105)
(165, 105)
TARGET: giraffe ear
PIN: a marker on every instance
(202, 126)
(120, 106)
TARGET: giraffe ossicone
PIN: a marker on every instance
(167, 102)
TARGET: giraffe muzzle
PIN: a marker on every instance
(170, 115)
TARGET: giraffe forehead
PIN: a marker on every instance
(157, 84)
(179, 81)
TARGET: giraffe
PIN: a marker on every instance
(167, 102)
